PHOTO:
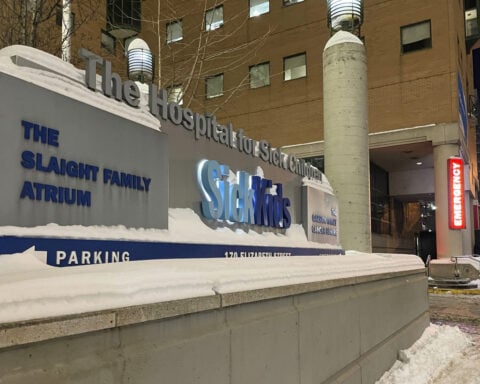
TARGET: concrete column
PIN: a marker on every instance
(449, 241)
(347, 166)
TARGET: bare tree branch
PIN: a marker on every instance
(201, 53)
(34, 22)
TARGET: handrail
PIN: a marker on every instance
(474, 258)
(455, 260)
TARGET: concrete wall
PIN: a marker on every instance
(339, 331)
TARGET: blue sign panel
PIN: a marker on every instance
(74, 252)
(462, 106)
(72, 163)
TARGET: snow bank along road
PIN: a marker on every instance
(449, 350)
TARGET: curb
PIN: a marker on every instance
(455, 291)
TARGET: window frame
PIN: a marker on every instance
(208, 26)
(416, 46)
(250, 74)
(170, 24)
(263, 13)
(291, 57)
(218, 75)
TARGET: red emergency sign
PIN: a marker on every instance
(456, 194)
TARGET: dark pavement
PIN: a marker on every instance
(457, 307)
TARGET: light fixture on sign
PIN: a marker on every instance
(345, 15)
(139, 60)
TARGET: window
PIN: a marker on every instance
(290, 2)
(379, 200)
(416, 36)
(175, 94)
(259, 7)
(317, 161)
(124, 17)
(260, 75)
(214, 86)
(174, 31)
(107, 42)
(471, 22)
(214, 18)
(295, 67)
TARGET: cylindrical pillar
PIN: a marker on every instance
(449, 241)
(347, 166)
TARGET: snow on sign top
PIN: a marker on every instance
(48, 71)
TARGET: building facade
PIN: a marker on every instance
(258, 65)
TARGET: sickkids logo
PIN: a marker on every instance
(249, 199)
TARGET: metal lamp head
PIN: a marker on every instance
(345, 15)
(139, 61)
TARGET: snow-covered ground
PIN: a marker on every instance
(443, 355)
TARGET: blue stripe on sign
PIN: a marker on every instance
(72, 252)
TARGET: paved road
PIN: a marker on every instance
(455, 309)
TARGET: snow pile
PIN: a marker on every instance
(323, 185)
(432, 358)
(185, 226)
(31, 289)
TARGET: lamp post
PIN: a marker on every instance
(345, 98)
